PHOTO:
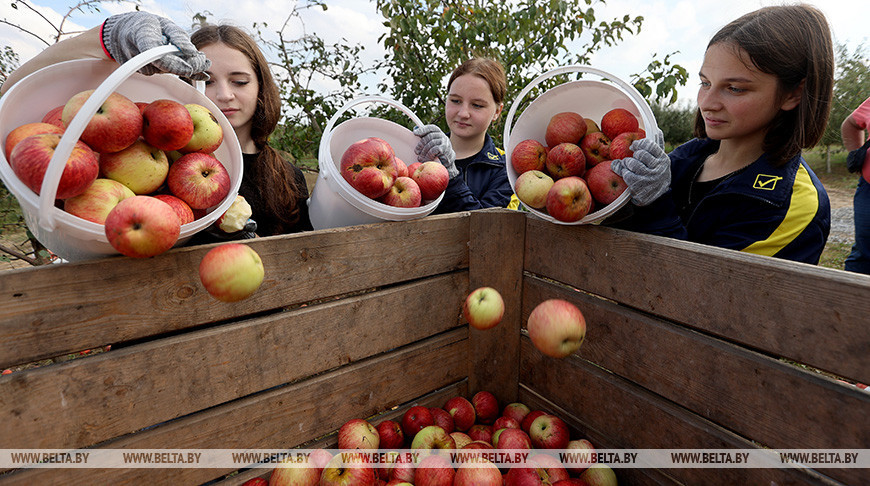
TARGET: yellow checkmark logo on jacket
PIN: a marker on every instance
(765, 182)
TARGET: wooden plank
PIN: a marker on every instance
(60, 406)
(788, 309)
(55, 309)
(496, 260)
(286, 416)
(633, 418)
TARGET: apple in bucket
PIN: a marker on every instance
(369, 166)
(31, 156)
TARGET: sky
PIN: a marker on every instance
(681, 27)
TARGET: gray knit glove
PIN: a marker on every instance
(648, 172)
(128, 34)
(434, 144)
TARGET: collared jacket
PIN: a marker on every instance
(780, 211)
(482, 182)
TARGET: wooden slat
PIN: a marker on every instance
(812, 315)
(284, 417)
(633, 418)
(496, 260)
(52, 310)
(66, 406)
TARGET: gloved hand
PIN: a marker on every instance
(128, 34)
(855, 159)
(648, 172)
(434, 144)
(247, 232)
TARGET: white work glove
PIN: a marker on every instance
(434, 144)
(647, 172)
(128, 34)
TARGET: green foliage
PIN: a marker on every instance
(676, 121)
(851, 88)
(8, 62)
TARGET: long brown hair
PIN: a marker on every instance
(277, 191)
(794, 44)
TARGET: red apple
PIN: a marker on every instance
(580, 447)
(462, 411)
(565, 127)
(532, 187)
(483, 308)
(142, 227)
(297, 475)
(618, 120)
(556, 327)
(340, 473)
(402, 471)
(443, 419)
(207, 132)
(604, 184)
(166, 125)
(569, 199)
(566, 160)
(369, 166)
(432, 177)
(116, 124)
(231, 272)
(21, 132)
(198, 179)
(415, 419)
(403, 168)
(571, 482)
(620, 146)
(599, 475)
(390, 435)
(525, 476)
(549, 432)
(481, 432)
(358, 434)
(260, 482)
(31, 156)
(554, 469)
(468, 454)
(434, 470)
(98, 200)
(516, 411)
(460, 438)
(511, 438)
(433, 437)
(530, 417)
(54, 116)
(404, 193)
(478, 473)
(185, 214)
(596, 148)
(528, 155)
(505, 423)
(140, 166)
(485, 406)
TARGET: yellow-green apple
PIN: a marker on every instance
(54, 116)
(141, 167)
(485, 406)
(483, 308)
(435, 470)
(142, 227)
(404, 193)
(599, 475)
(529, 155)
(505, 422)
(414, 419)
(443, 419)
(566, 160)
(23, 131)
(402, 167)
(569, 199)
(530, 417)
(433, 437)
(290, 473)
(236, 217)
(460, 438)
(432, 177)
(199, 179)
(481, 432)
(584, 450)
(591, 126)
(604, 184)
(532, 187)
(358, 434)
(618, 120)
(462, 411)
(556, 327)
(116, 124)
(207, 132)
(516, 411)
(369, 166)
(231, 272)
(481, 472)
(565, 127)
(620, 146)
(338, 472)
(596, 148)
(98, 200)
(511, 438)
(30, 157)
(166, 124)
(553, 468)
(390, 435)
(185, 214)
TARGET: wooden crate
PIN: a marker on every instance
(687, 347)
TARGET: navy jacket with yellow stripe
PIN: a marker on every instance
(482, 182)
(780, 211)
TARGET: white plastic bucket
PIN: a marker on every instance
(591, 99)
(68, 236)
(333, 202)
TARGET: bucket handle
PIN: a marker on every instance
(649, 121)
(53, 172)
(323, 152)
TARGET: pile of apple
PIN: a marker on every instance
(569, 175)
(149, 163)
(461, 425)
(371, 167)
